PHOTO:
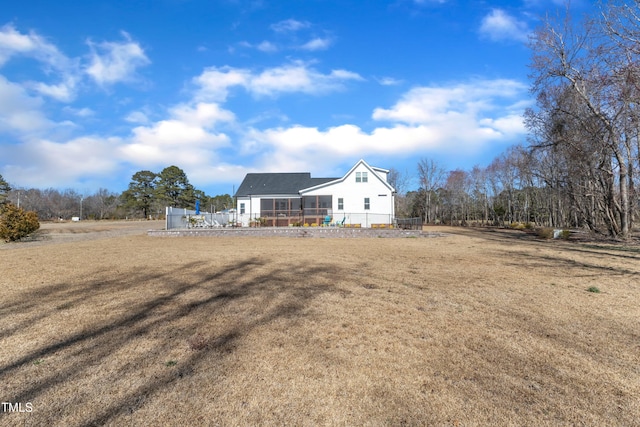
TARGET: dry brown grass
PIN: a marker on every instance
(475, 328)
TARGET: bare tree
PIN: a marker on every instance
(431, 176)
(400, 182)
(585, 78)
(456, 196)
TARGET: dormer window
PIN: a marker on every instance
(362, 177)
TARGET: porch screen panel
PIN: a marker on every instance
(266, 207)
(317, 205)
(324, 203)
(310, 204)
(282, 207)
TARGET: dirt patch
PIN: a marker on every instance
(473, 328)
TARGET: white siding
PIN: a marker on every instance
(376, 189)
(251, 209)
(354, 193)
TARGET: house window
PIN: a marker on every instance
(340, 203)
(362, 177)
(241, 208)
(367, 204)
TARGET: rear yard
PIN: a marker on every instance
(471, 328)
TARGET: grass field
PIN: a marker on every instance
(478, 327)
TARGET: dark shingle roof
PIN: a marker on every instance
(277, 183)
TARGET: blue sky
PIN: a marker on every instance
(92, 92)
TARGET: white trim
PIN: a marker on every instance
(374, 172)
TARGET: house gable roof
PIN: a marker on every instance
(374, 172)
(261, 184)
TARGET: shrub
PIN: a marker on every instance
(16, 223)
(545, 233)
(593, 289)
(565, 234)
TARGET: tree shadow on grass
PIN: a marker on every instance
(584, 246)
(563, 256)
(194, 311)
(562, 263)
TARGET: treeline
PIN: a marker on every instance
(516, 187)
(580, 166)
(147, 196)
(509, 190)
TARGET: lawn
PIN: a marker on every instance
(477, 327)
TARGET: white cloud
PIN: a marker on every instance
(171, 142)
(64, 91)
(264, 46)
(298, 77)
(289, 25)
(500, 26)
(57, 164)
(113, 62)
(137, 117)
(172, 133)
(85, 155)
(295, 77)
(388, 81)
(214, 82)
(267, 46)
(306, 148)
(206, 115)
(20, 112)
(460, 119)
(32, 45)
(290, 35)
(109, 62)
(12, 42)
(437, 104)
(188, 137)
(317, 44)
(82, 112)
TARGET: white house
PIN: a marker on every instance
(362, 197)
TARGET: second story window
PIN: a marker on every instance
(362, 177)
